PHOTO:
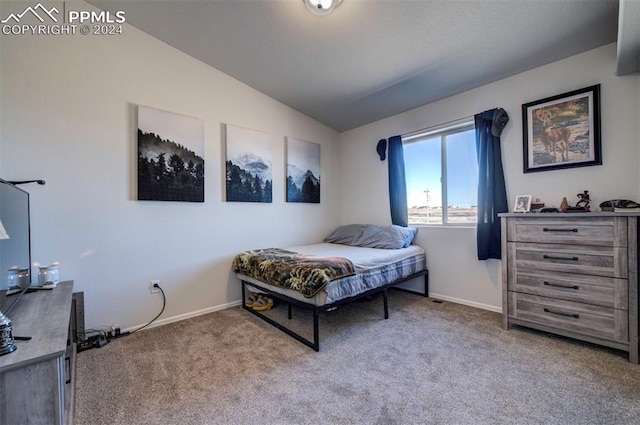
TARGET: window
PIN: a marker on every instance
(441, 170)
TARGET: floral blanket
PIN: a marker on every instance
(306, 274)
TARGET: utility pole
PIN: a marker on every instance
(427, 193)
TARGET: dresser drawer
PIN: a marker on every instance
(601, 322)
(603, 231)
(597, 290)
(580, 259)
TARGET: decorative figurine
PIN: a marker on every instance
(581, 207)
(584, 199)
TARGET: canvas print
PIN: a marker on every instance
(170, 156)
(303, 171)
(248, 165)
(562, 131)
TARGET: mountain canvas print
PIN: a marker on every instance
(170, 156)
(248, 166)
(303, 171)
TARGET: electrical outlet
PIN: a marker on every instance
(153, 289)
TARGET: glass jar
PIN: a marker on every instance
(48, 275)
(24, 278)
(17, 278)
(12, 279)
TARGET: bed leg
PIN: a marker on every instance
(426, 284)
(290, 310)
(316, 333)
(386, 304)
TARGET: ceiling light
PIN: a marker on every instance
(321, 7)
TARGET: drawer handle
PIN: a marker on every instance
(546, 229)
(549, 257)
(560, 313)
(576, 287)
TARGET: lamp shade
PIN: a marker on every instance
(3, 232)
(321, 7)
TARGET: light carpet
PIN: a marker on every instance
(429, 363)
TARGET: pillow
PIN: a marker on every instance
(391, 237)
(345, 235)
(410, 233)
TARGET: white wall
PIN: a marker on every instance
(455, 272)
(69, 117)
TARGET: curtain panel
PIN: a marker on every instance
(492, 194)
(397, 182)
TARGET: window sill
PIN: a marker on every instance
(448, 225)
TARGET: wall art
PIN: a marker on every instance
(249, 176)
(562, 131)
(303, 171)
(170, 156)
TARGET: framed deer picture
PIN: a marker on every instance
(562, 131)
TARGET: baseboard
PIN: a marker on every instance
(465, 302)
(197, 313)
(184, 316)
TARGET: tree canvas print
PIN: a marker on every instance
(170, 156)
(248, 165)
(303, 171)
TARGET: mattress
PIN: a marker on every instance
(374, 268)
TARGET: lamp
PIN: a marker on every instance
(3, 232)
(321, 7)
(40, 182)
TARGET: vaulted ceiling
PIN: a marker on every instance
(370, 59)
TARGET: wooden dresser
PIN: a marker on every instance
(574, 275)
(36, 384)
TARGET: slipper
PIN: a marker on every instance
(263, 304)
(251, 300)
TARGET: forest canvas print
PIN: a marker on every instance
(248, 165)
(170, 156)
(303, 171)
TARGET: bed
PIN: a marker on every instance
(353, 262)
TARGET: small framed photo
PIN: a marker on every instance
(522, 204)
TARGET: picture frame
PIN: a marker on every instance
(522, 204)
(303, 171)
(562, 131)
(248, 165)
(170, 156)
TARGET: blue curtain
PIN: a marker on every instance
(492, 194)
(397, 183)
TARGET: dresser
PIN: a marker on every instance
(574, 275)
(37, 380)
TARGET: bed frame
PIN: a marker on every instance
(315, 344)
